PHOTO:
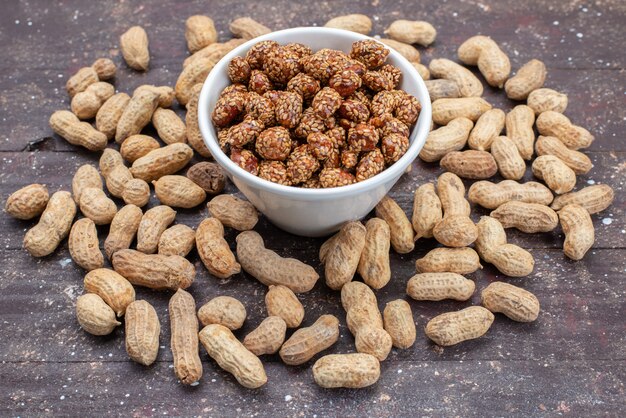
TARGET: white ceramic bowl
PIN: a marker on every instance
(313, 212)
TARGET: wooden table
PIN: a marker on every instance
(571, 361)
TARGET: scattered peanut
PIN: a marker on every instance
(510, 163)
(577, 161)
(470, 164)
(153, 223)
(412, 32)
(269, 268)
(578, 228)
(166, 94)
(136, 192)
(54, 225)
(491, 195)
(233, 212)
(83, 245)
(398, 320)
(445, 110)
(199, 32)
(85, 105)
(102, 69)
(134, 46)
(95, 316)
(137, 114)
(232, 356)
(142, 330)
(555, 173)
(401, 230)
(488, 126)
(492, 62)
(550, 123)
(267, 338)
(28, 202)
(214, 250)
(248, 28)
(492, 247)
(123, 229)
(109, 159)
(352, 371)
(223, 310)
(161, 162)
(439, 88)
(527, 217)
(440, 286)
(177, 240)
(468, 84)
(519, 129)
(154, 271)
(442, 90)
(136, 146)
(516, 303)
(169, 126)
(65, 124)
(184, 339)
(542, 100)
(178, 192)
(280, 301)
(456, 229)
(455, 260)
(340, 254)
(114, 289)
(117, 179)
(529, 77)
(306, 342)
(594, 198)
(441, 141)
(109, 114)
(357, 293)
(86, 176)
(215, 51)
(427, 211)
(355, 22)
(373, 340)
(407, 51)
(374, 265)
(194, 136)
(454, 327)
(209, 176)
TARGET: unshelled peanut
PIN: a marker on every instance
(439, 88)
(492, 62)
(109, 159)
(577, 161)
(454, 327)
(282, 302)
(102, 69)
(166, 94)
(340, 254)
(214, 251)
(83, 245)
(54, 225)
(519, 129)
(136, 192)
(374, 265)
(516, 303)
(456, 229)
(470, 164)
(65, 124)
(199, 32)
(455, 260)
(594, 198)
(86, 176)
(542, 100)
(123, 229)
(136, 115)
(247, 28)
(161, 162)
(440, 286)
(354, 371)
(178, 192)
(529, 77)
(493, 248)
(153, 223)
(510, 163)
(407, 51)
(412, 32)
(194, 136)
(555, 173)
(398, 322)
(445, 139)
(232, 356)
(357, 293)
(354, 22)
(468, 84)
(177, 240)
(233, 212)
(184, 338)
(134, 46)
(115, 290)
(95, 316)
(109, 114)
(445, 110)
(169, 126)
(28, 202)
(526, 217)
(142, 330)
(578, 229)
(271, 269)
(488, 126)
(555, 124)
(136, 146)
(154, 271)
(85, 105)
(491, 195)
(306, 342)
(373, 340)
(117, 179)
(427, 211)
(400, 228)
(223, 310)
(268, 337)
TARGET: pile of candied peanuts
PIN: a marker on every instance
(323, 119)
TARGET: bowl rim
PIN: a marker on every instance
(394, 171)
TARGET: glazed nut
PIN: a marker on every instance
(373, 162)
(301, 164)
(371, 53)
(244, 133)
(363, 137)
(239, 70)
(274, 171)
(345, 82)
(393, 147)
(326, 102)
(304, 85)
(245, 159)
(335, 177)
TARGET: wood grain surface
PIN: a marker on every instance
(571, 361)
